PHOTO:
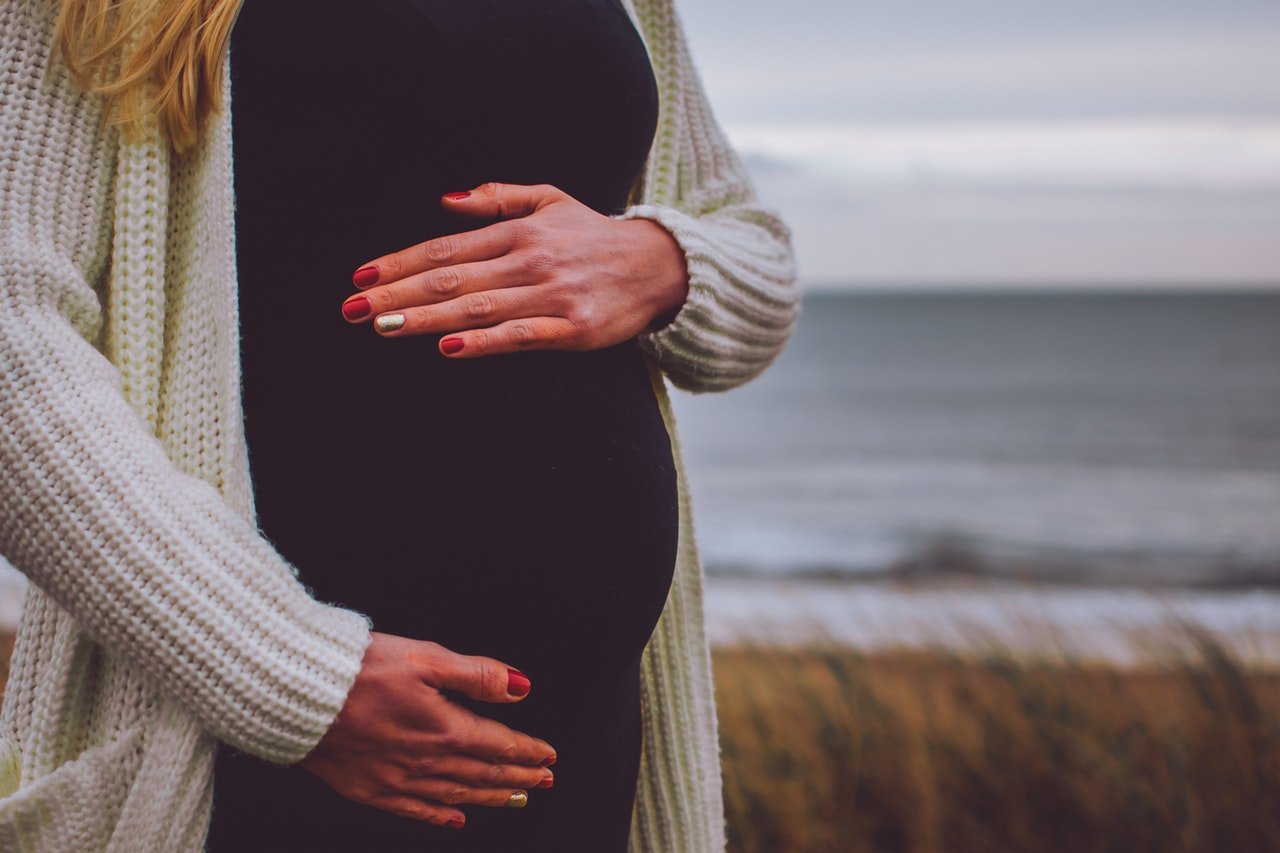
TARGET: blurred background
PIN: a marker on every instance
(994, 547)
(1040, 244)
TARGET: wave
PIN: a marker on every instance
(954, 554)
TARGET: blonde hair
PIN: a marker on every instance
(150, 57)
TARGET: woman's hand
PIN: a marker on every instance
(551, 273)
(401, 745)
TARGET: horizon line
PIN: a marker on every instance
(845, 286)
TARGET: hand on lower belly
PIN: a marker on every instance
(401, 745)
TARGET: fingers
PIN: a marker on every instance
(478, 773)
(457, 291)
(536, 306)
(476, 676)
(504, 201)
(491, 741)
(487, 680)
(515, 319)
(435, 800)
(489, 200)
(486, 243)
(416, 809)
(454, 793)
(526, 333)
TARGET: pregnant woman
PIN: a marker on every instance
(522, 505)
(356, 519)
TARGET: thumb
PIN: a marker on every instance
(476, 676)
(502, 201)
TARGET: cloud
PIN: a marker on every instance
(1241, 156)
(934, 60)
(1025, 204)
(1000, 142)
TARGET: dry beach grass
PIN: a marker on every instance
(828, 749)
(928, 751)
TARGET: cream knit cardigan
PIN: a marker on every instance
(158, 617)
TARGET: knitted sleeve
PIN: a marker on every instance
(152, 562)
(743, 296)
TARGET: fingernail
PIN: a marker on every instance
(547, 782)
(457, 195)
(518, 684)
(356, 309)
(518, 800)
(365, 277)
(456, 822)
(451, 345)
(547, 762)
(389, 322)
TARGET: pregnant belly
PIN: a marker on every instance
(521, 506)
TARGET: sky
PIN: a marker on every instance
(993, 143)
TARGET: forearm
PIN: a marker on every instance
(151, 561)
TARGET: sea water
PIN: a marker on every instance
(1097, 438)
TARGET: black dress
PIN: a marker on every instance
(521, 506)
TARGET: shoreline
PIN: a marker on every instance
(1122, 625)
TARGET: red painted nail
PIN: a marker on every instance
(457, 195)
(356, 309)
(547, 762)
(518, 684)
(365, 277)
(451, 345)
(546, 783)
(456, 822)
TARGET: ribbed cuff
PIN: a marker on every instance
(324, 676)
(700, 305)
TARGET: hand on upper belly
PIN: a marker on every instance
(549, 273)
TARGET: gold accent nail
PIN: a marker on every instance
(518, 800)
(389, 322)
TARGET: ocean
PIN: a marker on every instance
(1087, 438)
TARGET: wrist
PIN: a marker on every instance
(671, 284)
